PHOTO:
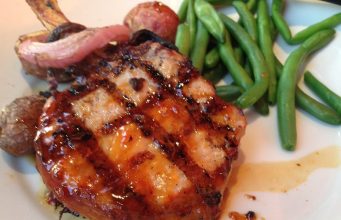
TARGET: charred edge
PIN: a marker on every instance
(64, 30)
(110, 127)
(172, 147)
(196, 111)
(142, 36)
(62, 138)
(87, 146)
(52, 200)
(140, 158)
(137, 83)
(210, 198)
(66, 210)
(104, 167)
(77, 90)
(80, 134)
(187, 72)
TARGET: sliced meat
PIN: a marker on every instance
(141, 136)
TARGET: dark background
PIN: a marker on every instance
(334, 1)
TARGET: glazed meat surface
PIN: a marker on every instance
(140, 135)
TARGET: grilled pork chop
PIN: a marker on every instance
(140, 135)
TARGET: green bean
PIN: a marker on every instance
(246, 18)
(261, 106)
(322, 91)
(312, 106)
(279, 67)
(239, 75)
(220, 2)
(192, 22)
(274, 31)
(251, 95)
(265, 44)
(282, 26)
(199, 50)
(215, 74)
(316, 109)
(327, 23)
(287, 84)
(182, 40)
(238, 54)
(229, 93)
(279, 21)
(182, 12)
(212, 58)
(248, 69)
(209, 17)
(251, 5)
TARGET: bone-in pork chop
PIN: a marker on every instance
(141, 135)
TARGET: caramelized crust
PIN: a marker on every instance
(140, 136)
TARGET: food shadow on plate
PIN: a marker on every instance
(24, 165)
(251, 115)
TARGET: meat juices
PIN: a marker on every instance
(140, 136)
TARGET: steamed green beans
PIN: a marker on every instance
(239, 75)
(247, 19)
(182, 12)
(199, 50)
(279, 21)
(282, 26)
(212, 58)
(315, 108)
(287, 85)
(220, 2)
(192, 22)
(265, 44)
(330, 22)
(182, 40)
(229, 93)
(331, 98)
(209, 17)
(251, 95)
(215, 74)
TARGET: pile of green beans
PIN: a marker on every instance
(300, 37)
(217, 45)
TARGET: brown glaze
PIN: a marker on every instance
(134, 139)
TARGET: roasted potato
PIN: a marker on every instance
(18, 124)
(153, 16)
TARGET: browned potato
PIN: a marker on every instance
(18, 124)
(153, 16)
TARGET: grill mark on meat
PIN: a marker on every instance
(137, 83)
(107, 66)
(114, 184)
(159, 77)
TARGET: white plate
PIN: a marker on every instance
(317, 198)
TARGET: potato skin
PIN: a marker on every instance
(153, 16)
(18, 124)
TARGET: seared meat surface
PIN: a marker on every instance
(140, 135)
